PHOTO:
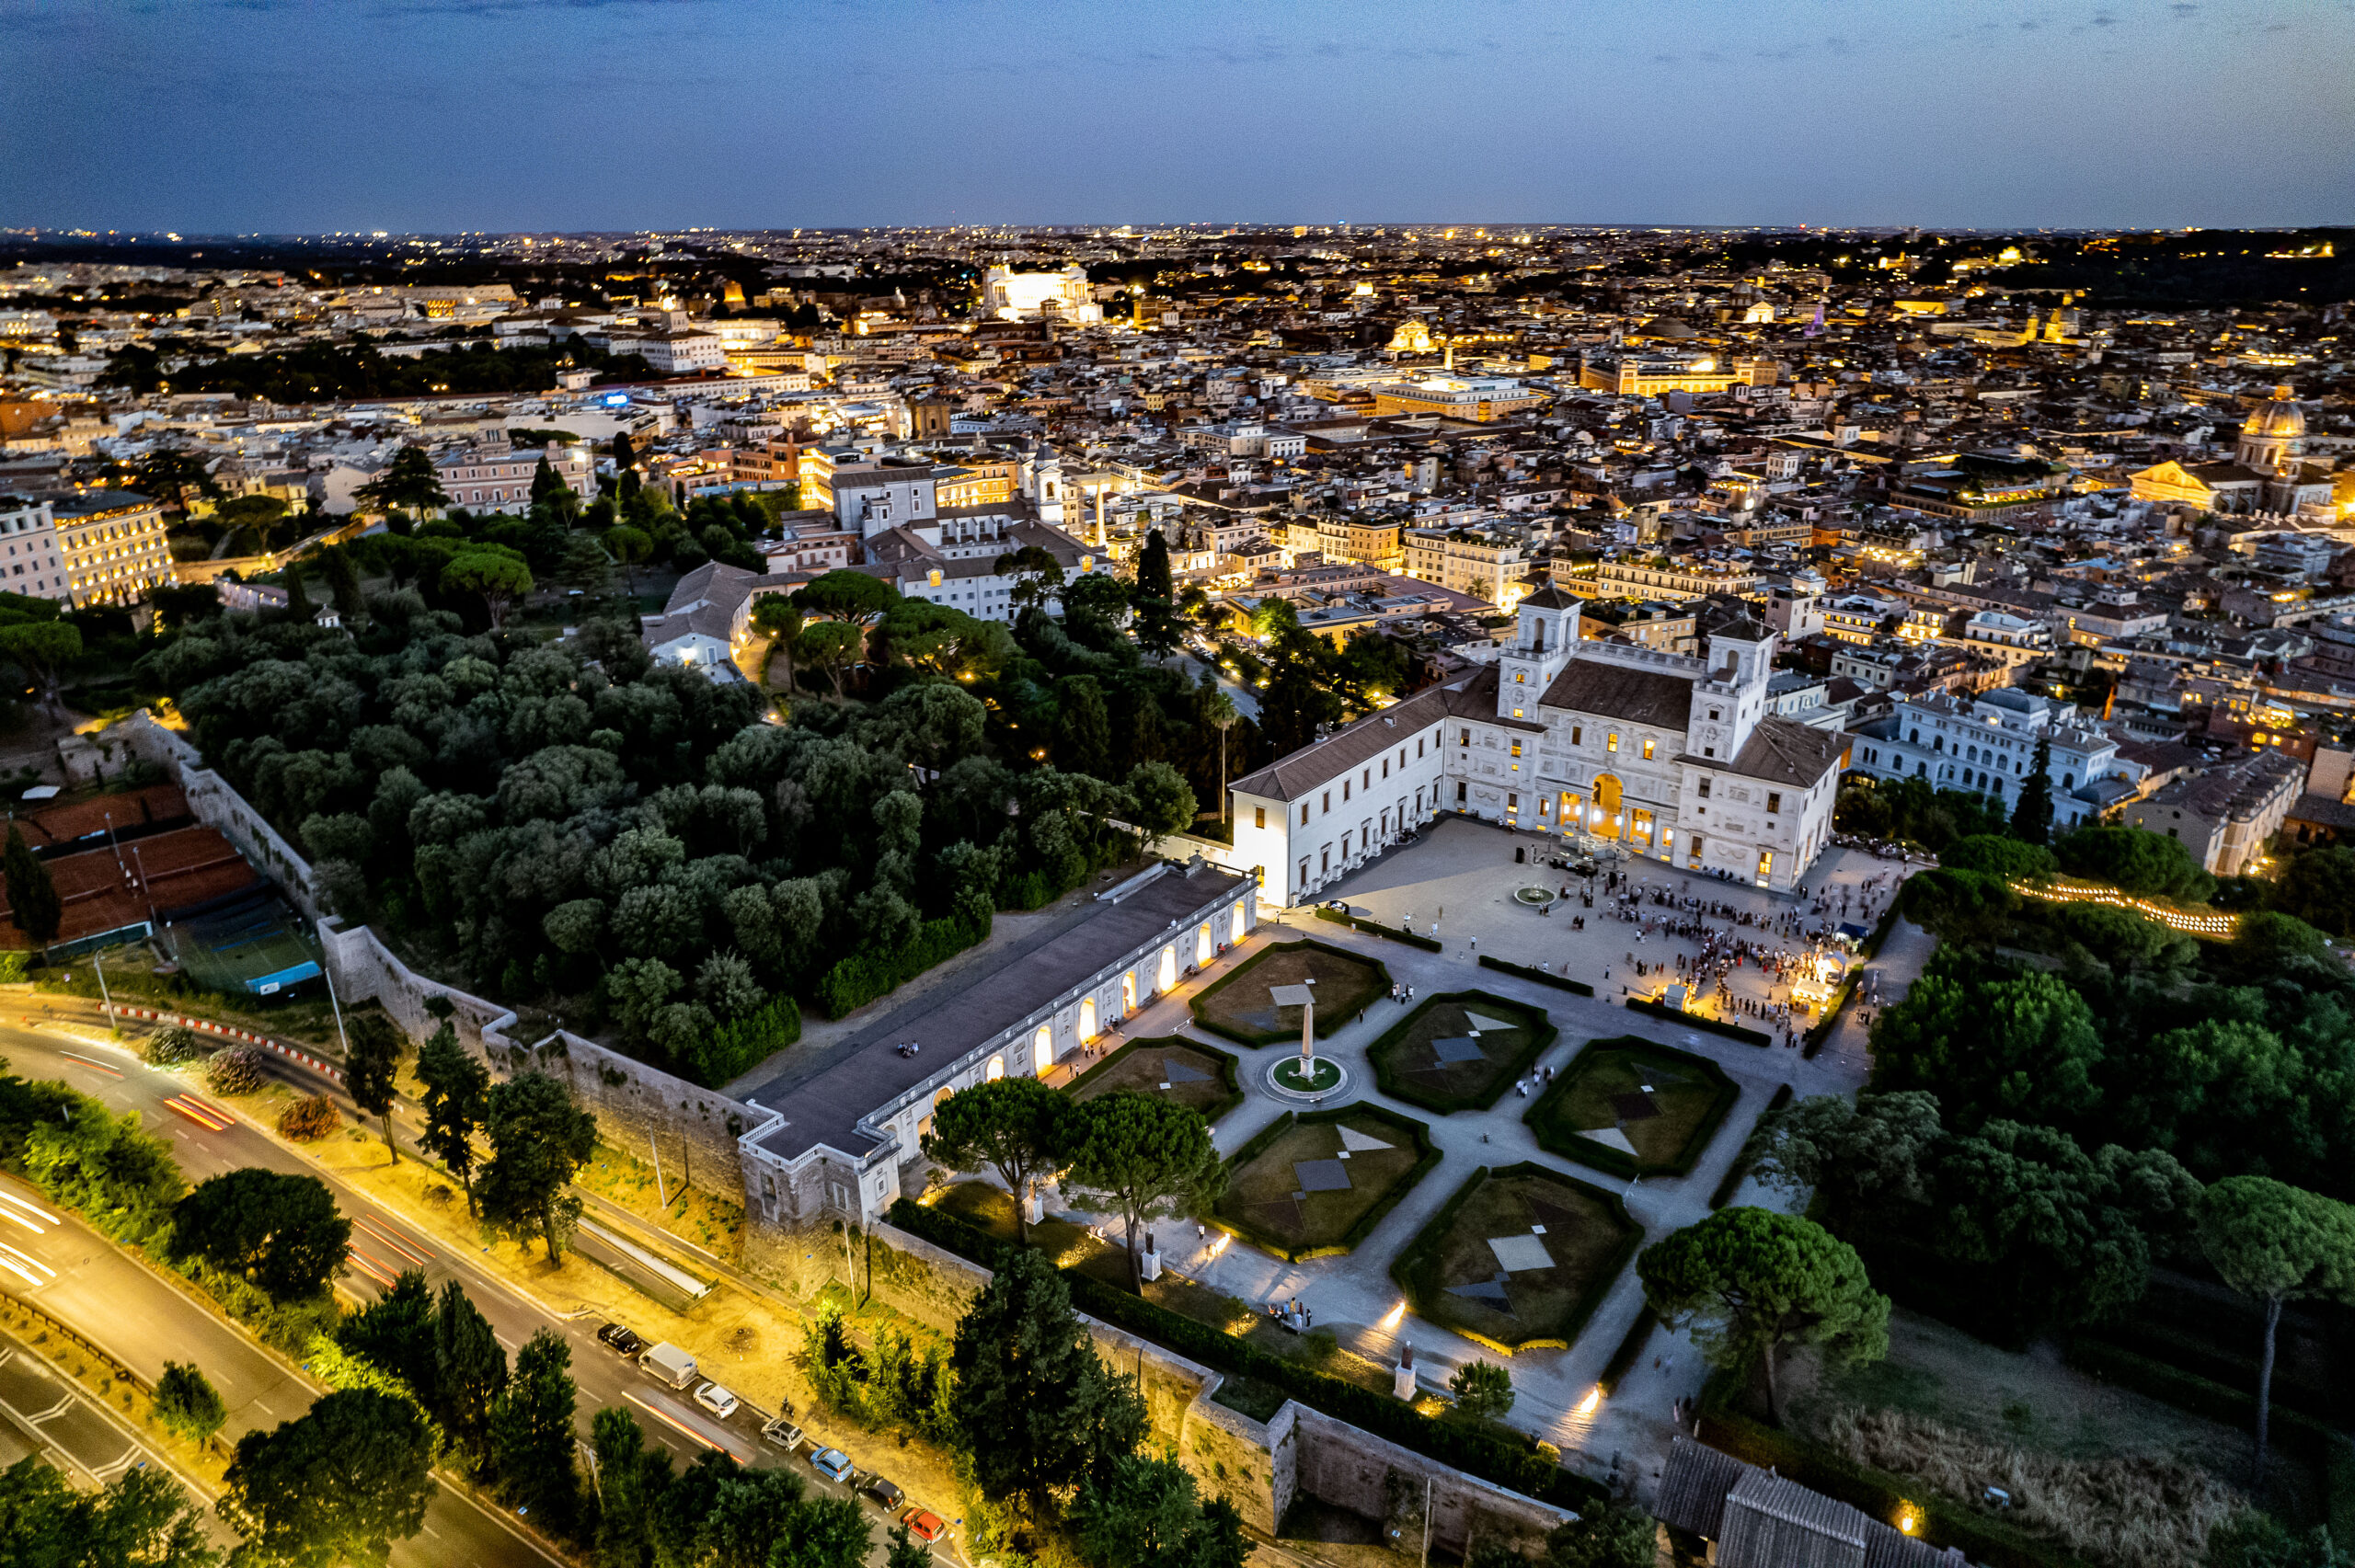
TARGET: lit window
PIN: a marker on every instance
(1613, 743)
(1647, 749)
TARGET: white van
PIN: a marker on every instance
(671, 1363)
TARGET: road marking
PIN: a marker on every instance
(93, 1063)
(429, 1529)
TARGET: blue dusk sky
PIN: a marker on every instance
(236, 116)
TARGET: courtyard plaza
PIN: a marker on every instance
(1468, 869)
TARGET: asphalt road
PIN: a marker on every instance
(144, 1320)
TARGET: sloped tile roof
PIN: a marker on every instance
(1639, 696)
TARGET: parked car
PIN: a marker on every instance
(783, 1433)
(716, 1400)
(925, 1524)
(888, 1495)
(832, 1463)
(617, 1338)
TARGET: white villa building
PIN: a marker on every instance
(1985, 744)
(1670, 758)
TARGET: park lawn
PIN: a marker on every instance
(1577, 1115)
(1454, 1277)
(1237, 1006)
(1272, 1203)
(1412, 1060)
(1205, 1078)
(2120, 1477)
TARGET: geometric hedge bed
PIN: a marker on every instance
(1628, 1106)
(1519, 1259)
(1170, 1067)
(1237, 1005)
(1315, 1183)
(1457, 1050)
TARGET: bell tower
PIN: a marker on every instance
(1731, 699)
(1545, 639)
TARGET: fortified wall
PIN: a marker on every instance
(697, 1136)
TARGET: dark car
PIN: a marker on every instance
(620, 1339)
(890, 1496)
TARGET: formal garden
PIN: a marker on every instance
(1244, 1005)
(1519, 1258)
(1630, 1107)
(1458, 1050)
(1200, 1076)
(1316, 1184)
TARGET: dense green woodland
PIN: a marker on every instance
(570, 823)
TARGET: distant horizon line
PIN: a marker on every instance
(1337, 228)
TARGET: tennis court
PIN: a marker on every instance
(258, 948)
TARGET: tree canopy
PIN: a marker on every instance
(1140, 1157)
(1752, 1281)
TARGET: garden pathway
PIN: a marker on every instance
(1469, 868)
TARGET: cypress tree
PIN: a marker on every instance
(33, 902)
(2032, 817)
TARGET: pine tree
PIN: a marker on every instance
(2032, 816)
(33, 902)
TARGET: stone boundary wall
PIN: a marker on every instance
(214, 803)
(1261, 1467)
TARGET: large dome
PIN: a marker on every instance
(2280, 418)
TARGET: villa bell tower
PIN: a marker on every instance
(1731, 699)
(1546, 640)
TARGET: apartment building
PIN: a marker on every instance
(31, 561)
(492, 476)
(1489, 566)
(1660, 577)
(111, 546)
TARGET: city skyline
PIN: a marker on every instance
(414, 115)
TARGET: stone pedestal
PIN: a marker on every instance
(1149, 1265)
(1034, 1207)
(1402, 1377)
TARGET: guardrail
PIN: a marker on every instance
(230, 1032)
(113, 1363)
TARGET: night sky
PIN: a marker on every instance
(235, 116)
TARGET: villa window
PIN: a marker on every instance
(1577, 734)
(1611, 743)
(1259, 817)
(1647, 749)
(1773, 801)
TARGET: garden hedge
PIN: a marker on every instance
(1410, 1268)
(1631, 1349)
(1508, 1459)
(1326, 1022)
(1559, 982)
(1618, 1161)
(1541, 1035)
(1698, 1020)
(1427, 1155)
(1229, 1068)
(1375, 928)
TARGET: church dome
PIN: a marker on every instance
(2279, 420)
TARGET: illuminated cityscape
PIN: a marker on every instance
(1024, 854)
